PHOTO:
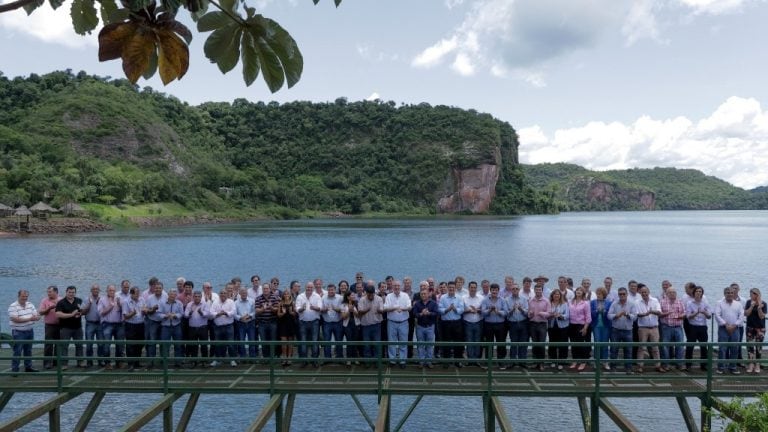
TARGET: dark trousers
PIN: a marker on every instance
(557, 334)
(51, 333)
(697, 334)
(411, 332)
(134, 332)
(267, 333)
(496, 332)
(352, 335)
(199, 334)
(71, 334)
(574, 333)
(518, 338)
(453, 331)
(538, 334)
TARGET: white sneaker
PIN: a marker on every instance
(214, 363)
(233, 363)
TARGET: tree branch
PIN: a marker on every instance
(15, 5)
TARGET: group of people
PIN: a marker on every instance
(247, 323)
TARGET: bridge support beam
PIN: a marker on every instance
(31, 414)
(288, 413)
(4, 399)
(382, 421)
(501, 414)
(266, 413)
(90, 410)
(622, 422)
(186, 415)
(165, 403)
(685, 410)
(584, 410)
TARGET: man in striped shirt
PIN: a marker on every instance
(22, 315)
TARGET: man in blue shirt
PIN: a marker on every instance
(451, 308)
(425, 311)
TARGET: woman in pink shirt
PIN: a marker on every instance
(578, 331)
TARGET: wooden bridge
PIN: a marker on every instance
(592, 388)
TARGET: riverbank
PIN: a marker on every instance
(53, 225)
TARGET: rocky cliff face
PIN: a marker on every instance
(601, 195)
(470, 190)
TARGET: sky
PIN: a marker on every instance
(606, 84)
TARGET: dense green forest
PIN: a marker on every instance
(75, 137)
(671, 188)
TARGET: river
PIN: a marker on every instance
(712, 248)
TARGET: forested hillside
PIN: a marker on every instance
(576, 188)
(67, 137)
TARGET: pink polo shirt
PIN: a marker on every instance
(580, 312)
(50, 317)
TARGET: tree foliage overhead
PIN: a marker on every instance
(146, 36)
(80, 137)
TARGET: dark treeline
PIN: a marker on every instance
(66, 136)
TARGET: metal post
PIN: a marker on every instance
(54, 419)
(489, 415)
(595, 401)
(706, 402)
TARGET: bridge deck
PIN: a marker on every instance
(339, 379)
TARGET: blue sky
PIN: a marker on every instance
(606, 84)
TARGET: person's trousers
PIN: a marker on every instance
(22, 348)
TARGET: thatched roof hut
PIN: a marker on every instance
(22, 212)
(5, 210)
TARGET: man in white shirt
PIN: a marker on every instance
(23, 316)
(648, 311)
(223, 313)
(729, 314)
(473, 322)
(397, 305)
(332, 326)
(308, 306)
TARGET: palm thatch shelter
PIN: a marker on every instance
(42, 210)
(21, 213)
(5, 211)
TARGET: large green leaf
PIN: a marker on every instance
(228, 5)
(272, 70)
(84, 18)
(223, 46)
(213, 20)
(109, 12)
(30, 7)
(250, 57)
(286, 49)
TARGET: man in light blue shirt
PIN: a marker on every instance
(170, 313)
(451, 308)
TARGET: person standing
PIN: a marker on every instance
(397, 306)
(729, 314)
(308, 306)
(494, 309)
(22, 315)
(580, 316)
(69, 312)
(425, 312)
(671, 320)
(245, 323)
(369, 310)
(286, 325)
(557, 328)
(110, 312)
(473, 322)
(152, 305)
(451, 308)
(223, 313)
(622, 314)
(332, 326)
(134, 326)
(47, 310)
(265, 308)
(197, 312)
(698, 312)
(93, 326)
(755, 311)
(648, 311)
(518, 323)
(170, 313)
(539, 311)
(601, 325)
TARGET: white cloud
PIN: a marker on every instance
(511, 35)
(731, 144)
(450, 4)
(47, 25)
(368, 53)
(714, 7)
(641, 22)
(373, 97)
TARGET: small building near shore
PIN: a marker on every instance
(42, 210)
(5, 211)
(23, 215)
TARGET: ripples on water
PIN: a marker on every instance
(711, 248)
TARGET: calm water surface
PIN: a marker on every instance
(710, 248)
